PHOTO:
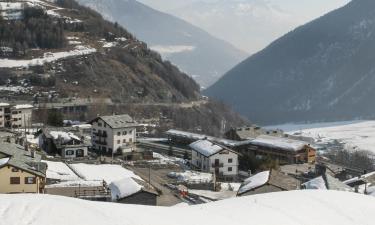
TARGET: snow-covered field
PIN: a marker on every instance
(78, 50)
(355, 135)
(286, 208)
(106, 172)
(192, 177)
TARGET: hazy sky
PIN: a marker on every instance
(249, 25)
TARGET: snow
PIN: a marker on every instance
(355, 135)
(363, 177)
(3, 161)
(2, 104)
(124, 188)
(17, 89)
(205, 147)
(77, 183)
(66, 136)
(286, 208)
(230, 186)
(192, 177)
(109, 44)
(277, 142)
(60, 171)
(165, 160)
(255, 181)
(212, 195)
(48, 57)
(167, 50)
(317, 183)
(24, 106)
(108, 173)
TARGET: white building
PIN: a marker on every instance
(4, 113)
(15, 116)
(115, 134)
(21, 115)
(213, 158)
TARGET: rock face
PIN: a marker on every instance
(193, 50)
(323, 70)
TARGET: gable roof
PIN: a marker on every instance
(279, 143)
(21, 159)
(117, 121)
(326, 182)
(273, 177)
(205, 147)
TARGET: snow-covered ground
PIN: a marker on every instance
(355, 135)
(286, 208)
(106, 172)
(60, 171)
(48, 57)
(192, 177)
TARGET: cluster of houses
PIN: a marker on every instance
(23, 171)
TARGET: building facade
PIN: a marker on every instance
(15, 116)
(213, 158)
(63, 142)
(21, 171)
(113, 134)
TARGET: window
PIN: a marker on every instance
(131, 140)
(14, 170)
(130, 132)
(99, 124)
(118, 141)
(124, 141)
(30, 180)
(124, 133)
(230, 160)
(15, 180)
(229, 169)
(118, 133)
(105, 125)
(69, 152)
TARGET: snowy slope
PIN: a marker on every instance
(286, 208)
(355, 135)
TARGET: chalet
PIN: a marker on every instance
(250, 132)
(133, 191)
(21, 171)
(214, 158)
(63, 142)
(285, 150)
(266, 182)
(113, 134)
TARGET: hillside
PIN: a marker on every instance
(71, 49)
(193, 50)
(60, 52)
(323, 70)
(329, 207)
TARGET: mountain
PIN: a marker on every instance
(193, 50)
(323, 70)
(249, 25)
(59, 52)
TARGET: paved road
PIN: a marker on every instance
(158, 179)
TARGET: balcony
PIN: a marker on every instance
(101, 142)
(100, 134)
(217, 165)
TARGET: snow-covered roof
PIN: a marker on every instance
(60, 171)
(280, 143)
(206, 148)
(3, 104)
(255, 181)
(66, 136)
(4, 161)
(108, 173)
(124, 188)
(286, 208)
(23, 106)
(363, 177)
(317, 183)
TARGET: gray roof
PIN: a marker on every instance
(22, 159)
(118, 121)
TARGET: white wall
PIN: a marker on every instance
(224, 158)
